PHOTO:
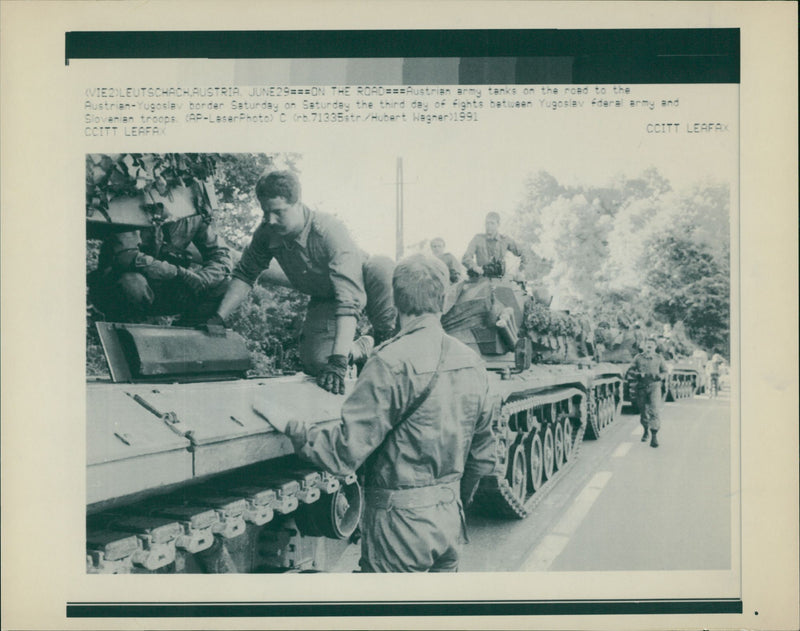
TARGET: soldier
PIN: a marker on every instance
(437, 247)
(713, 370)
(489, 249)
(320, 259)
(651, 370)
(156, 271)
(418, 420)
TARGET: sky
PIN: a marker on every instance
(453, 175)
(454, 172)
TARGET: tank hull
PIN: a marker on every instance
(183, 475)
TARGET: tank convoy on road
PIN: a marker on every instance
(184, 476)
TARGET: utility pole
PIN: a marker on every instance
(399, 211)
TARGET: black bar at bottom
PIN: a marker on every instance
(442, 608)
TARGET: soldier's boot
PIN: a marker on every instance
(654, 439)
(646, 434)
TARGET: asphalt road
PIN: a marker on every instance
(627, 506)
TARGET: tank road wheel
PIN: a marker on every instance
(536, 462)
(558, 445)
(594, 428)
(567, 438)
(518, 473)
(603, 413)
(549, 455)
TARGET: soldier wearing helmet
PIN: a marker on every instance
(650, 370)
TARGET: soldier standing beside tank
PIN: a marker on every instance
(418, 420)
(155, 271)
(650, 370)
(320, 259)
(437, 247)
(487, 251)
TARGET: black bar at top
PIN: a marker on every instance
(712, 55)
(489, 608)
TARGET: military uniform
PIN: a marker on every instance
(324, 262)
(483, 249)
(452, 266)
(713, 369)
(419, 469)
(138, 272)
(651, 369)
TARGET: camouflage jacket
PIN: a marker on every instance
(157, 252)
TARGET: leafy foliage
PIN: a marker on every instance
(544, 321)
(636, 249)
(270, 318)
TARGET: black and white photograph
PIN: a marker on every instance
(462, 307)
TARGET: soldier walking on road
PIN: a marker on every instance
(650, 369)
(418, 421)
(713, 370)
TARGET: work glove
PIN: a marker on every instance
(215, 326)
(192, 280)
(332, 375)
(181, 258)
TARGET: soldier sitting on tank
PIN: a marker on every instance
(453, 266)
(319, 258)
(650, 370)
(176, 268)
(418, 420)
(486, 250)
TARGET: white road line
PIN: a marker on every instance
(553, 544)
(621, 450)
(637, 431)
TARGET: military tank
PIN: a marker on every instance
(552, 391)
(620, 343)
(184, 476)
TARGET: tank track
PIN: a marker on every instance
(495, 495)
(252, 519)
(605, 404)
